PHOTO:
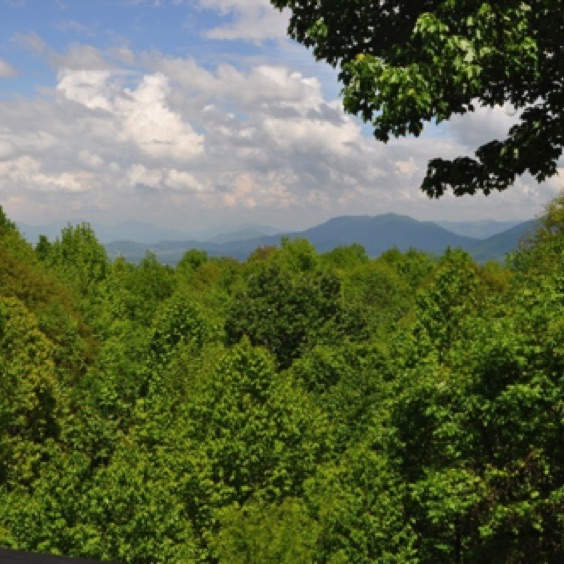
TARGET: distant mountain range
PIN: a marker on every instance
(480, 229)
(148, 234)
(375, 233)
(497, 246)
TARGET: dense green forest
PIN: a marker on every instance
(292, 408)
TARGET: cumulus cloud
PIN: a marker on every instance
(6, 70)
(90, 160)
(172, 140)
(407, 167)
(140, 116)
(251, 20)
(162, 179)
(87, 87)
(25, 171)
(148, 122)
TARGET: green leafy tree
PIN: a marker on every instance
(178, 321)
(290, 303)
(133, 292)
(46, 297)
(179, 333)
(264, 533)
(345, 258)
(453, 292)
(191, 261)
(404, 63)
(42, 515)
(31, 398)
(258, 427)
(244, 433)
(382, 296)
(127, 511)
(133, 511)
(43, 248)
(540, 253)
(358, 505)
(5, 223)
(77, 256)
(149, 285)
(210, 282)
(413, 266)
(478, 413)
(348, 383)
(478, 432)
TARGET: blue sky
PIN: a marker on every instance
(198, 113)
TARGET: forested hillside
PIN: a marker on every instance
(296, 407)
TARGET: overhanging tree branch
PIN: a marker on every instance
(404, 63)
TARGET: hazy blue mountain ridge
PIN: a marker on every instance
(480, 229)
(375, 233)
(381, 232)
(497, 246)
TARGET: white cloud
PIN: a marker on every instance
(6, 70)
(31, 142)
(482, 125)
(148, 122)
(252, 20)
(249, 90)
(80, 57)
(249, 190)
(31, 41)
(87, 87)
(181, 180)
(6, 149)
(90, 160)
(309, 135)
(138, 175)
(175, 141)
(162, 179)
(25, 171)
(407, 167)
(140, 115)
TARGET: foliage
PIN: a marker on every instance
(30, 395)
(77, 256)
(358, 504)
(291, 408)
(263, 533)
(259, 429)
(47, 298)
(290, 303)
(406, 63)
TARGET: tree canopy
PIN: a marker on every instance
(404, 63)
(295, 407)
